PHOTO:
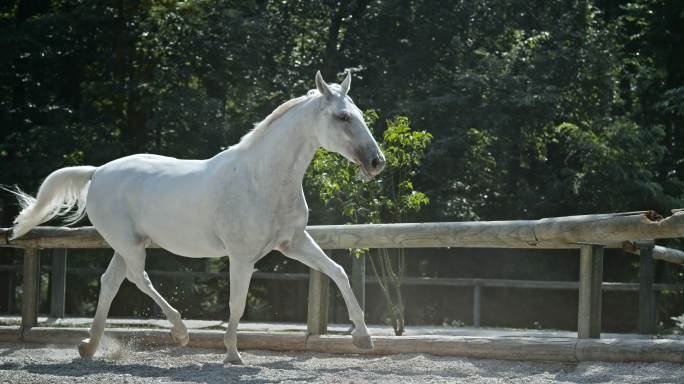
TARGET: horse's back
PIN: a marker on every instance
(151, 165)
(153, 197)
(137, 175)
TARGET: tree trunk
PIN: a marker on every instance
(331, 54)
(389, 279)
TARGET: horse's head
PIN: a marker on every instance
(340, 127)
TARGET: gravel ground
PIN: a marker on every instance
(115, 363)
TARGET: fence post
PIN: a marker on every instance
(477, 304)
(317, 311)
(647, 308)
(358, 280)
(11, 281)
(58, 282)
(11, 288)
(30, 287)
(590, 291)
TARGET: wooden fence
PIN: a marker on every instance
(58, 271)
(589, 234)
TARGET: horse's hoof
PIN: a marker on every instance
(363, 342)
(182, 339)
(228, 361)
(87, 348)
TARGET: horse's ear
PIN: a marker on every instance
(322, 86)
(346, 83)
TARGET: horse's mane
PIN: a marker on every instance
(262, 127)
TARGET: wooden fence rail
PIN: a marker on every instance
(58, 283)
(567, 232)
(588, 233)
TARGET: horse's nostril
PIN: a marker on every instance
(374, 163)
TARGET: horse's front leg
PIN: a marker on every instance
(240, 275)
(304, 249)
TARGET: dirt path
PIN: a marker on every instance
(22, 363)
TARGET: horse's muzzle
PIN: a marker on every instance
(375, 164)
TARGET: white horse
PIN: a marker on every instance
(241, 203)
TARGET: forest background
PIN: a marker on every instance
(536, 109)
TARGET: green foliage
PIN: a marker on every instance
(673, 102)
(594, 163)
(491, 81)
(389, 197)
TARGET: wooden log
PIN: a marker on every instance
(558, 232)
(630, 350)
(505, 348)
(495, 234)
(10, 334)
(56, 237)
(477, 305)
(58, 283)
(647, 307)
(145, 337)
(358, 279)
(11, 283)
(590, 292)
(317, 310)
(30, 289)
(669, 255)
(383, 344)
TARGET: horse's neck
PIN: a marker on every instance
(280, 156)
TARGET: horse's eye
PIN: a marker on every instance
(343, 117)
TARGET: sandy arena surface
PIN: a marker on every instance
(115, 363)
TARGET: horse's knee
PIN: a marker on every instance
(338, 273)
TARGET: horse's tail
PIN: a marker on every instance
(62, 191)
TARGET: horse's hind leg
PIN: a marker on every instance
(135, 264)
(110, 283)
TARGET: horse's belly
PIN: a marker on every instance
(188, 248)
(182, 233)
